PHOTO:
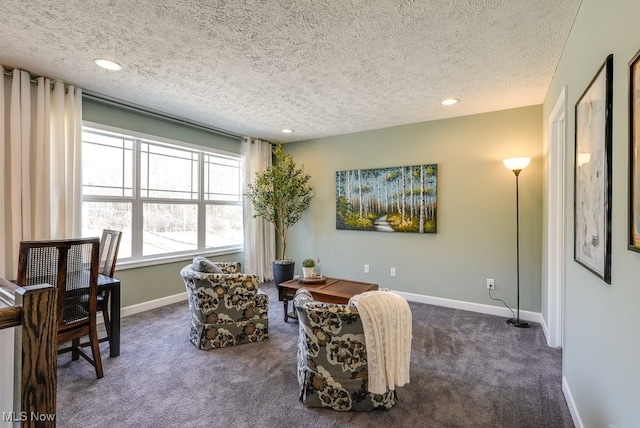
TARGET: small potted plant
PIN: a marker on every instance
(307, 268)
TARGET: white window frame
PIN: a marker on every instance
(137, 259)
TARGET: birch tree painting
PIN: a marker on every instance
(396, 199)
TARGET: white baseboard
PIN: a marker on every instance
(469, 306)
(438, 301)
(577, 422)
(545, 330)
(153, 304)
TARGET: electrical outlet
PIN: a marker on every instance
(366, 268)
(491, 285)
(392, 271)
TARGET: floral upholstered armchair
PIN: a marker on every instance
(226, 307)
(332, 357)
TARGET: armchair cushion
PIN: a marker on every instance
(332, 357)
(225, 308)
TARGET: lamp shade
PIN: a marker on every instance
(516, 164)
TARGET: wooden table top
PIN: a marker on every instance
(333, 290)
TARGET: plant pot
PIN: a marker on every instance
(308, 272)
(283, 270)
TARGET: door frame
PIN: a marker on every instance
(556, 226)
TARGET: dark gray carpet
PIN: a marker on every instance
(467, 370)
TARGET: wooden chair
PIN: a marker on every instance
(72, 266)
(109, 245)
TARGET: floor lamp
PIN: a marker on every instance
(516, 165)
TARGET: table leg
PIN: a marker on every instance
(293, 315)
(114, 337)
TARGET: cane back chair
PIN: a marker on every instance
(109, 245)
(72, 266)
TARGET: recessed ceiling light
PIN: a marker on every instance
(450, 101)
(287, 131)
(107, 64)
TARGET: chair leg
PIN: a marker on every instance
(74, 349)
(95, 353)
(105, 316)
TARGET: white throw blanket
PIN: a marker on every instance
(386, 320)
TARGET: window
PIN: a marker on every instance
(167, 199)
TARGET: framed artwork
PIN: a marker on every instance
(395, 199)
(592, 192)
(634, 159)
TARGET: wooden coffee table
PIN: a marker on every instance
(331, 290)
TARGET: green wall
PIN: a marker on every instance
(106, 114)
(602, 343)
(476, 236)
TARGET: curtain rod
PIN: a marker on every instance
(150, 112)
(155, 113)
(9, 73)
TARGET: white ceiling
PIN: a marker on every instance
(321, 67)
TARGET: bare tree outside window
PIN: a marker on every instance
(156, 193)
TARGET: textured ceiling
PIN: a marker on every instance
(321, 67)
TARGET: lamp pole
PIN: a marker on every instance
(517, 165)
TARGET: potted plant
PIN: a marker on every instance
(280, 194)
(307, 268)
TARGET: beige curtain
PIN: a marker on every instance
(40, 131)
(259, 235)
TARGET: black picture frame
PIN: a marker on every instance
(634, 156)
(592, 186)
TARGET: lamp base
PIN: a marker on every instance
(518, 323)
